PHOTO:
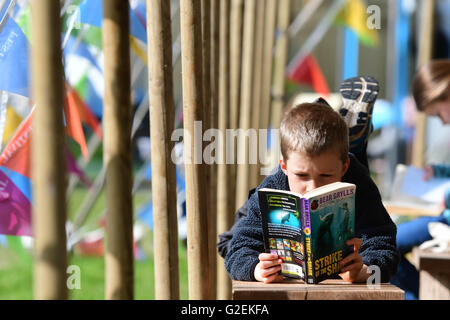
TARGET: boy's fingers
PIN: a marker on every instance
(270, 271)
(356, 242)
(354, 266)
(267, 256)
(272, 278)
(271, 263)
(352, 257)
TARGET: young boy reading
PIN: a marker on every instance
(315, 152)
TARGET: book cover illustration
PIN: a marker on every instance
(309, 232)
(282, 232)
(332, 222)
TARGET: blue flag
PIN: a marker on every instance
(14, 76)
(80, 49)
(91, 12)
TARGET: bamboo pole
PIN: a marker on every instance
(270, 14)
(48, 157)
(224, 177)
(425, 49)
(164, 186)
(237, 7)
(214, 101)
(257, 86)
(242, 178)
(117, 151)
(197, 240)
(206, 125)
(236, 23)
(281, 47)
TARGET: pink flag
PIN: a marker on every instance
(72, 167)
(15, 209)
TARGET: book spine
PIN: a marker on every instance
(306, 226)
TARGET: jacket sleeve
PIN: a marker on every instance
(376, 229)
(225, 238)
(246, 244)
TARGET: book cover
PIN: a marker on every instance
(308, 232)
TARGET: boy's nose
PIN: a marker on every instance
(312, 184)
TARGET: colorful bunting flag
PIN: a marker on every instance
(13, 120)
(78, 48)
(84, 112)
(354, 16)
(73, 122)
(16, 155)
(14, 75)
(308, 72)
(73, 168)
(15, 208)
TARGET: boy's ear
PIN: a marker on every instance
(283, 165)
(346, 165)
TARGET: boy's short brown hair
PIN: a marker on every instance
(312, 129)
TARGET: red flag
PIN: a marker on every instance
(73, 123)
(308, 72)
(16, 155)
(85, 112)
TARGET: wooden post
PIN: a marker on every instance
(48, 156)
(164, 185)
(214, 102)
(117, 150)
(257, 87)
(206, 125)
(425, 49)
(242, 178)
(224, 205)
(236, 22)
(270, 14)
(197, 240)
(281, 48)
(235, 59)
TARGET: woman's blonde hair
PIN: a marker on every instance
(431, 83)
(312, 129)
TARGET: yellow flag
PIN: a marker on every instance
(13, 120)
(138, 50)
(354, 16)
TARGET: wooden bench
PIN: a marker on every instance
(434, 271)
(332, 289)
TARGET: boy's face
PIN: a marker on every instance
(307, 173)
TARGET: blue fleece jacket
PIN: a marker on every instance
(372, 224)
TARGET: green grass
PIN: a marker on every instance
(16, 277)
(16, 265)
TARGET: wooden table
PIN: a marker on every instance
(332, 289)
(434, 271)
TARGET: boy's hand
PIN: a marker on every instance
(267, 269)
(352, 266)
